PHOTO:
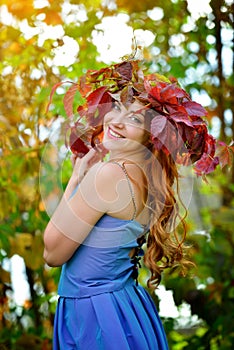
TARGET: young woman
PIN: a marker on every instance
(111, 206)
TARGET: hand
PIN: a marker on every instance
(82, 165)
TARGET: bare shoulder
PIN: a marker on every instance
(105, 173)
(108, 182)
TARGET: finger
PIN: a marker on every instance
(73, 159)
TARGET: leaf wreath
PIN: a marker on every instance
(177, 124)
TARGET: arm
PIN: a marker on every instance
(103, 189)
(74, 217)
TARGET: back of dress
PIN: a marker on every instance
(101, 307)
(102, 262)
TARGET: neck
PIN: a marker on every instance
(133, 157)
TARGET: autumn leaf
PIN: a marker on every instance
(69, 98)
(21, 8)
(158, 124)
(157, 78)
(139, 87)
(136, 6)
(178, 128)
(194, 109)
(181, 118)
(165, 135)
(162, 93)
(53, 18)
(77, 145)
(5, 276)
(53, 90)
(206, 165)
(208, 161)
(95, 97)
(125, 72)
(98, 103)
(127, 95)
(224, 153)
(25, 245)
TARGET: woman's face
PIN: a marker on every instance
(125, 128)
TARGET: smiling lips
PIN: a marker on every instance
(114, 134)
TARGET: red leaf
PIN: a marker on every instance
(99, 103)
(84, 87)
(195, 139)
(126, 95)
(224, 153)
(166, 97)
(54, 88)
(95, 97)
(69, 98)
(206, 165)
(125, 70)
(147, 85)
(162, 93)
(210, 145)
(174, 109)
(77, 145)
(104, 107)
(168, 94)
(181, 118)
(194, 109)
(208, 161)
(165, 135)
(139, 87)
(158, 124)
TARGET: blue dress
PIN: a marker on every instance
(100, 305)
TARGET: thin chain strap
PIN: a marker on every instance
(130, 187)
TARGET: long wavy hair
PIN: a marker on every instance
(167, 232)
(164, 241)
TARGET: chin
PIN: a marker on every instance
(112, 144)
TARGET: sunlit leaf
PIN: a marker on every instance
(5, 276)
(53, 90)
(69, 98)
(194, 108)
(29, 247)
(224, 153)
(77, 145)
(137, 6)
(21, 8)
(53, 18)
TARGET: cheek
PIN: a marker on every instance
(106, 121)
(141, 133)
(107, 118)
(137, 134)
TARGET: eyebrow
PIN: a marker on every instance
(138, 112)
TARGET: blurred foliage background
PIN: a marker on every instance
(43, 42)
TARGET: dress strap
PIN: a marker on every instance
(130, 188)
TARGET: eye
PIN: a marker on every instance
(136, 119)
(115, 106)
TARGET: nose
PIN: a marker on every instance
(117, 124)
(118, 120)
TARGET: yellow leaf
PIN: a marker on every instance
(29, 247)
(53, 18)
(135, 6)
(88, 3)
(21, 8)
(5, 276)
(15, 48)
(4, 123)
